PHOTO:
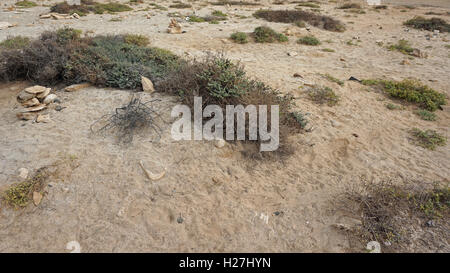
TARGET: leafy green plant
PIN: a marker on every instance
(239, 37)
(300, 118)
(428, 139)
(350, 6)
(426, 115)
(411, 91)
(265, 34)
(308, 40)
(402, 46)
(136, 39)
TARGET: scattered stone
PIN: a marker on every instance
(292, 53)
(49, 99)
(220, 143)
(30, 103)
(430, 223)
(296, 75)
(342, 59)
(174, 27)
(23, 173)
(418, 53)
(76, 87)
(147, 85)
(387, 243)
(37, 198)
(76, 16)
(180, 220)
(26, 116)
(43, 118)
(405, 62)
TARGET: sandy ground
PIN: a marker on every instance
(228, 203)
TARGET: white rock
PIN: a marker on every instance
(23, 173)
(43, 118)
(292, 53)
(147, 85)
(43, 94)
(34, 108)
(220, 143)
(35, 89)
(50, 98)
(4, 25)
(30, 103)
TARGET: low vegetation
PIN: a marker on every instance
(180, 6)
(308, 40)
(350, 6)
(322, 94)
(239, 37)
(428, 139)
(397, 215)
(16, 42)
(426, 115)
(333, 79)
(26, 4)
(89, 6)
(412, 91)
(402, 46)
(296, 16)
(265, 34)
(234, 3)
(428, 24)
(308, 4)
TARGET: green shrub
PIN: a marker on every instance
(234, 3)
(323, 95)
(26, 4)
(100, 8)
(328, 50)
(180, 6)
(333, 79)
(428, 24)
(135, 39)
(88, 6)
(428, 139)
(218, 13)
(392, 106)
(15, 42)
(402, 46)
(350, 6)
(68, 34)
(300, 118)
(412, 91)
(308, 40)
(196, 19)
(267, 35)
(308, 4)
(239, 37)
(426, 115)
(295, 16)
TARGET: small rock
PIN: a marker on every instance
(405, 62)
(24, 96)
(296, 75)
(342, 59)
(76, 16)
(174, 27)
(387, 243)
(430, 223)
(35, 89)
(49, 99)
(34, 108)
(147, 85)
(180, 220)
(37, 198)
(76, 87)
(4, 25)
(418, 53)
(292, 53)
(23, 173)
(43, 94)
(26, 116)
(220, 143)
(43, 118)
(30, 103)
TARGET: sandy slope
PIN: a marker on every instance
(104, 201)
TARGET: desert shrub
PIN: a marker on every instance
(412, 91)
(196, 19)
(135, 39)
(180, 6)
(402, 46)
(350, 6)
(428, 24)
(294, 16)
(26, 4)
(265, 34)
(221, 82)
(322, 95)
(392, 106)
(219, 14)
(239, 37)
(300, 118)
(88, 6)
(381, 7)
(395, 214)
(16, 42)
(308, 40)
(426, 115)
(428, 139)
(333, 79)
(328, 50)
(234, 3)
(63, 56)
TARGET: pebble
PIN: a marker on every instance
(23, 173)
(180, 220)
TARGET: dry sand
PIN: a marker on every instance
(227, 202)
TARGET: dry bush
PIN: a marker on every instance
(294, 16)
(402, 217)
(428, 24)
